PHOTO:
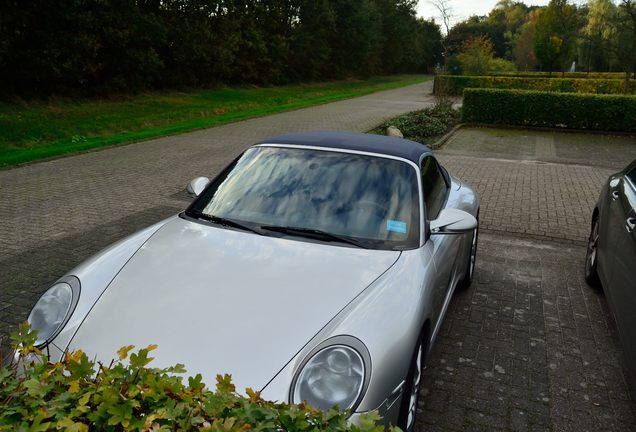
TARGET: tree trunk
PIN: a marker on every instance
(589, 55)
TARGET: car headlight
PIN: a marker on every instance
(336, 374)
(53, 309)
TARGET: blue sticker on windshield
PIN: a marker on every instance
(396, 226)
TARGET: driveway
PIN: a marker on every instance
(530, 347)
(55, 214)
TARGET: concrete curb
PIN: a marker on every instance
(444, 139)
(548, 129)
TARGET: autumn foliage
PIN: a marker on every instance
(77, 394)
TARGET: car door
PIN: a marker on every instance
(611, 221)
(621, 292)
(443, 247)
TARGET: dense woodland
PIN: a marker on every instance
(100, 47)
(87, 47)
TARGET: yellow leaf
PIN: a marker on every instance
(85, 399)
(151, 347)
(148, 424)
(123, 351)
(75, 356)
(255, 396)
(224, 383)
(68, 424)
(30, 349)
(73, 387)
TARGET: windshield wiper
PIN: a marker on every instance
(314, 233)
(224, 222)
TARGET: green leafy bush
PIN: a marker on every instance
(78, 394)
(548, 109)
(455, 84)
(425, 125)
(499, 65)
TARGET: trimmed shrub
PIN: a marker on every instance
(593, 75)
(549, 109)
(126, 395)
(455, 84)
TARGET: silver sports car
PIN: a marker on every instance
(316, 267)
(611, 256)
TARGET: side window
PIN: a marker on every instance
(434, 187)
(632, 175)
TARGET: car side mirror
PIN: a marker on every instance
(453, 221)
(196, 186)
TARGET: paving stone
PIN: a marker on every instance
(529, 347)
(55, 214)
(529, 314)
(550, 386)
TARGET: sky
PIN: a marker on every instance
(462, 9)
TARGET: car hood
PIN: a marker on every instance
(224, 301)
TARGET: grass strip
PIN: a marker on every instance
(34, 131)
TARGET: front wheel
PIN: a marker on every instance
(408, 408)
(467, 279)
(591, 256)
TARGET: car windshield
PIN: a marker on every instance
(371, 200)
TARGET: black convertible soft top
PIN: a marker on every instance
(391, 146)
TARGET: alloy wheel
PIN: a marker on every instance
(473, 254)
(415, 389)
(591, 256)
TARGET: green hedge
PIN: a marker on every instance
(126, 395)
(455, 84)
(546, 109)
(593, 75)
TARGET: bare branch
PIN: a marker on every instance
(445, 10)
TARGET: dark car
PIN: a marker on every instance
(611, 256)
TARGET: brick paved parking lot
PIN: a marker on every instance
(55, 214)
(528, 347)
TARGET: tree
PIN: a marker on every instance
(429, 48)
(555, 35)
(446, 14)
(624, 40)
(477, 26)
(85, 47)
(310, 48)
(503, 24)
(356, 44)
(598, 32)
(398, 29)
(202, 55)
(476, 56)
(425, 51)
(462, 31)
(523, 51)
